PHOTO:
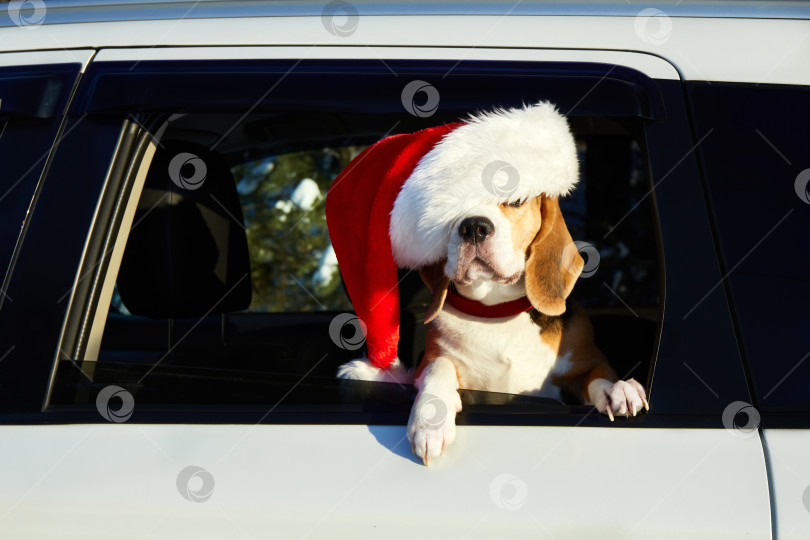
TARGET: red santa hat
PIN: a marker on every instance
(395, 204)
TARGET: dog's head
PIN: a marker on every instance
(482, 206)
(510, 244)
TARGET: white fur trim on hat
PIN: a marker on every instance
(363, 370)
(495, 157)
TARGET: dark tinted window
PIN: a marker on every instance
(756, 161)
(32, 101)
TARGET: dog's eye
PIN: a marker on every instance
(516, 204)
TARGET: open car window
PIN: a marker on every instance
(227, 292)
(228, 278)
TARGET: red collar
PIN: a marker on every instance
(477, 309)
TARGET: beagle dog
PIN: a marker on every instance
(496, 255)
(500, 320)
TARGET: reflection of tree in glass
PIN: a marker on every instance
(292, 263)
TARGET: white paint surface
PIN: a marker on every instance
(47, 57)
(119, 481)
(717, 49)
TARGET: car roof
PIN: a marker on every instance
(703, 40)
(78, 11)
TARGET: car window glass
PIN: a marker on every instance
(755, 160)
(32, 100)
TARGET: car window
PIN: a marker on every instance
(755, 161)
(228, 292)
(32, 101)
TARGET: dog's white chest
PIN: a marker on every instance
(500, 355)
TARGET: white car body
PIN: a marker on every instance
(340, 481)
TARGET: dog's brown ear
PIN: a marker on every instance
(438, 283)
(553, 263)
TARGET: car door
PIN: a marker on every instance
(178, 408)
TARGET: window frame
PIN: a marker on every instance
(668, 145)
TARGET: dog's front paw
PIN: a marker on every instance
(622, 398)
(432, 425)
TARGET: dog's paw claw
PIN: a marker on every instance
(622, 398)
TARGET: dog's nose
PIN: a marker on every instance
(475, 229)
